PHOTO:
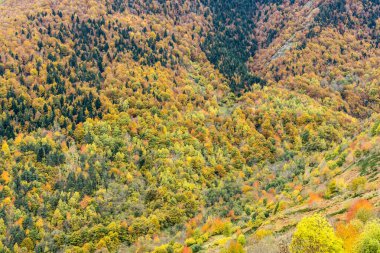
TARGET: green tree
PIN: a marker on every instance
(315, 235)
(369, 240)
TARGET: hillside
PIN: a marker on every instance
(186, 125)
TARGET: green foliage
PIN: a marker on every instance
(241, 239)
(375, 130)
(369, 164)
(364, 215)
(369, 240)
(229, 47)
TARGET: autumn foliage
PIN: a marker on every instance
(357, 206)
(158, 126)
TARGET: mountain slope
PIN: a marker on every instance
(144, 125)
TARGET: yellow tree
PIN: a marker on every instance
(5, 148)
(315, 235)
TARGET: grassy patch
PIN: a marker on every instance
(337, 212)
(304, 210)
(370, 164)
(287, 228)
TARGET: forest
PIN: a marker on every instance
(190, 126)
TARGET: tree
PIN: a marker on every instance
(349, 234)
(2, 69)
(369, 240)
(5, 148)
(27, 243)
(361, 209)
(315, 235)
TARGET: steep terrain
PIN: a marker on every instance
(183, 126)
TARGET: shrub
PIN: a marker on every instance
(361, 209)
(357, 184)
(241, 239)
(369, 240)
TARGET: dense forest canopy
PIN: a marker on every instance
(189, 126)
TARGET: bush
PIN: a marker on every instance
(196, 248)
(369, 240)
(241, 239)
(357, 184)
